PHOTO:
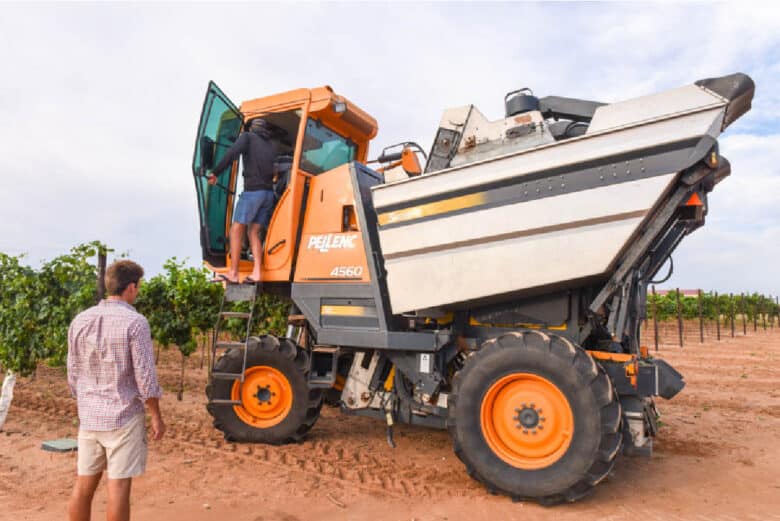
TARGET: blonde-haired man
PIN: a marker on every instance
(112, 375)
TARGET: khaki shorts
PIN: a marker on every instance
(122, 451)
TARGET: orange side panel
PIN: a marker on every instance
(330, 251)
(332, 257)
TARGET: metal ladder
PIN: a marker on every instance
(233, 293)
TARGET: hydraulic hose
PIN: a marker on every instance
(668, 275)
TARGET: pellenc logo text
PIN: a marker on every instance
(331, 241)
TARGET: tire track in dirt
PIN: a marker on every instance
(687, 447)
(736, 386)
(728, 354)
(349, 452)
(731, 372)
(373, 473)
(706, 401)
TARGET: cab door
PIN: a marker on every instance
(220, 124)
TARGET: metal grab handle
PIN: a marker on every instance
(386, 158)
(276, 246)
(518, 91)
(218, 184)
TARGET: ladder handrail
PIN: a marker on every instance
(218, 326)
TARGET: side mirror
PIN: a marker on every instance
(206, 152)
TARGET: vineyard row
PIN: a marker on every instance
(37, 305)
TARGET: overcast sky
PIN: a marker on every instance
(99, 103)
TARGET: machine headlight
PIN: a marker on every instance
(339, 107)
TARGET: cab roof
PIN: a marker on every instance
(321, 100)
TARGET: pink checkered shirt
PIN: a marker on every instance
(111, 369)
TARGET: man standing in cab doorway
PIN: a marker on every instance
(256, 202)
(111, 374)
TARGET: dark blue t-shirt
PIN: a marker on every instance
(258, 154)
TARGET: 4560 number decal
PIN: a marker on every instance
(347, 271)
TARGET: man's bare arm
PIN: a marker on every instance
(72, 363)
(158, 426)
(145, 373)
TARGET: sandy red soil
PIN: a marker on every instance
(717, 457)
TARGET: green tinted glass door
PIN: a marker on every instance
(220, 125)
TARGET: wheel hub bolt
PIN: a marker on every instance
(527, 418)
(264, 394)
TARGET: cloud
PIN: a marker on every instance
(99, 103)
(728, 261)
(749, 195)
(736, 250)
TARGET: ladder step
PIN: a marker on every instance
(296, 320)
(325, 349)
(226, 376)
(240, 292)
(219, 401)
(225, 345)
(322, 382)
(235, 314)
(324, 366)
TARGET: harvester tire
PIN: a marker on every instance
(534, 417)
(277, 405)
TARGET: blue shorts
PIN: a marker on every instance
(254, 207)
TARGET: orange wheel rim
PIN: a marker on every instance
(266, 397)
(527, 421)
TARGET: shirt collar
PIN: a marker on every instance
(116, 302)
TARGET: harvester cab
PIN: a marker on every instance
(497, 293)
(314, 131)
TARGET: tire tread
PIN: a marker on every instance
(600, 384)
(240, 432)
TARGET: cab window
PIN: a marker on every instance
(324, 149)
